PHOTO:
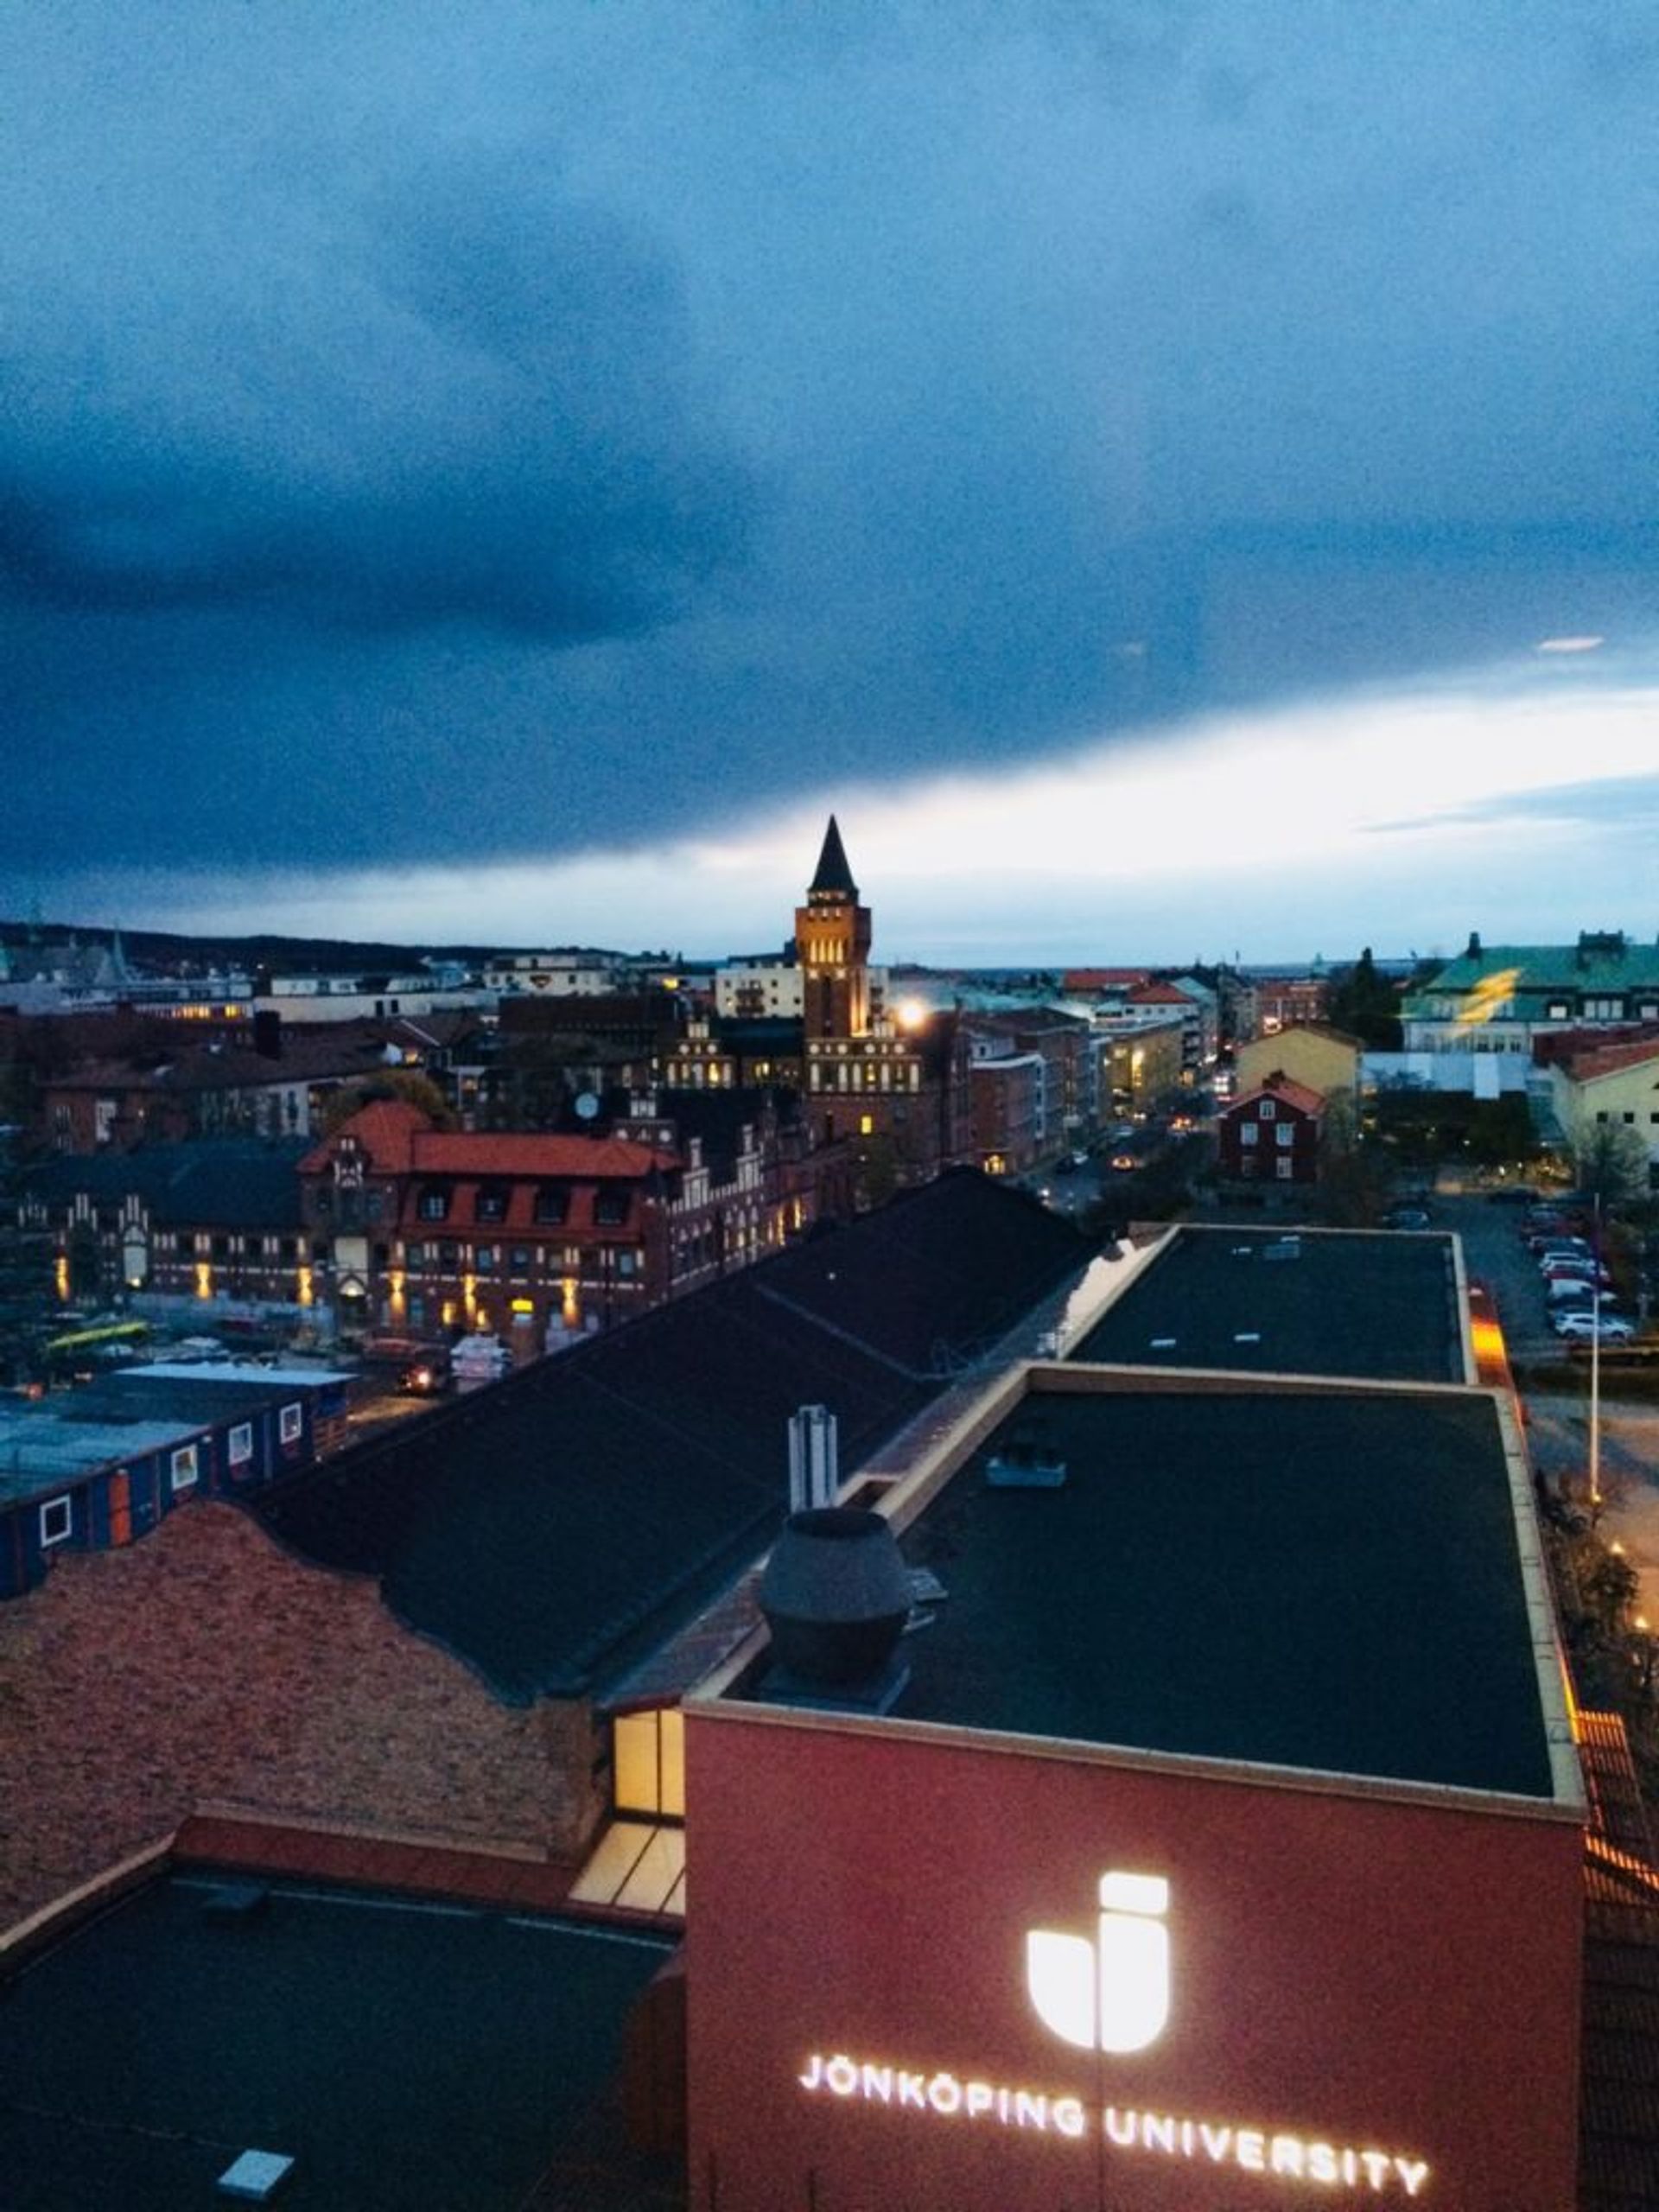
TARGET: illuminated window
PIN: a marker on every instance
(1248, 1133)
(866, 1125)
(1286, 1136)
(1268, 1109)
(648, 1751)
(184, 1470)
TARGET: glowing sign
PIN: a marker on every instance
(939, 2094)
(1112, 1993)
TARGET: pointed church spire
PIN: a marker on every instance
(834, 875)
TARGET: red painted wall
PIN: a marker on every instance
(1360, 1974)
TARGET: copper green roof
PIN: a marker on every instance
(1598, 962)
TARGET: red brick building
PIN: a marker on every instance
(531, 1237)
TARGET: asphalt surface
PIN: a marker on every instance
(1559, 1422)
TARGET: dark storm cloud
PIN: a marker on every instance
(485, 415)
(543, 425)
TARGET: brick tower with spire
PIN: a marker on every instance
(832, 948)
(898, 1092)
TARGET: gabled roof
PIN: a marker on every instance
(1597, 1061)
(233, 1183)
(1161, 994)
(186, 1064)
(461, 1152)
(1325, 1029)
(386, 1129)
(1297, 1095)
(400, 1139)
(833, 874)
(554, 1528)
(1597, 962)
(1102, 979)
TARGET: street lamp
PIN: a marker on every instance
(1595, 1354)
(1647, 1647)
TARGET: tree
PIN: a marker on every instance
(396, 1082)
(1353, 1177)
(1367, 1005)
(1610, 1162)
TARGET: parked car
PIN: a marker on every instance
(1557, 1265)
(1587, 1327)
(1564, 1289)
(1405, 1218)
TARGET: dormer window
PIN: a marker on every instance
(552, 1202)
(611, 1208)
(433, 1203)
(491, 1202)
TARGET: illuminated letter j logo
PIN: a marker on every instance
(1112, 1994)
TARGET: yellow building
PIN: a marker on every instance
(1321, 1059)
(1611, 1085)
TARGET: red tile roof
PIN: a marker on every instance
(1598, 1060)
(1103, 979)
(1292, 1093)
(400, 1139)
(1161, 994)
(385, 1128)
(450, 1152)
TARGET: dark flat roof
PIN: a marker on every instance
(553, 1528)
(1376, 1304)
(1321, 1579)
(411, 2059)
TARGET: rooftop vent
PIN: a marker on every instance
(1026, 1461)
(814, 1458)
(1283, 1248)
(256, 2176)
(235, 1901)
(835, 1595)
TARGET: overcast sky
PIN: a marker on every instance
(1174, 478)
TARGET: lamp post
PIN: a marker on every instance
(1595, 1355)
(1646, 1648)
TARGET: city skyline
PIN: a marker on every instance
(1174, 483)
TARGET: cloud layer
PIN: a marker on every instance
(540, 430)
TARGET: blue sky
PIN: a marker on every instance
(508, 473)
